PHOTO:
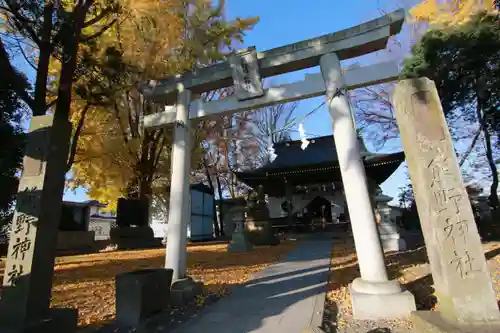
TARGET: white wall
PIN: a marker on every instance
(159, 229)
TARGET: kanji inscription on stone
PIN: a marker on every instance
(463, 263)
(13, 274)
(27, 280)
(453, 245)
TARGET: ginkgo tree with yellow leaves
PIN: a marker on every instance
(112, 155)
(45, 32)
(439, 13)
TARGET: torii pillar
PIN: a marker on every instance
(183, 288)
(373, 295)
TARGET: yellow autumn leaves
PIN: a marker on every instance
(450, 12)
(154, 39)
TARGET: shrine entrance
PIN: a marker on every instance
(244, 70)
(425, 138)
(319, 213)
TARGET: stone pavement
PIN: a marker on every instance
(285, 297)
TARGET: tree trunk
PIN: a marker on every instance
(145, 188)
(221, 213)
(69, 61)
(211, 185)
(493, 198)
(494, 173)
(471, 147)
(146, 166)
(45, 52)
(76, 136)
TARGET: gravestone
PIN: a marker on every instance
(27, 283)
(133, 231)
(132, 212)
(461, 278)
(257, 223)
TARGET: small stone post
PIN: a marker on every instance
(373, 295)
(461, 278)
(27, 282)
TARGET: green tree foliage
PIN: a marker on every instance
(464, 62)
(11, 144)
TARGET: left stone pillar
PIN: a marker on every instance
(183, 288)
(373, 295)
(27, 282)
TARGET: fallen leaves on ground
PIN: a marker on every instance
(410, 267)
(87, 282)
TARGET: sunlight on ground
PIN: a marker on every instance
(409, 267)
(87, 282)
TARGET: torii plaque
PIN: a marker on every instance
(246, 76)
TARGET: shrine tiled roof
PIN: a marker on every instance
(318, 163)
(320, 151)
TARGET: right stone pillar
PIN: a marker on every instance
(373, 295)
(462, 281)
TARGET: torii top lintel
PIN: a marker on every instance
(348, 43)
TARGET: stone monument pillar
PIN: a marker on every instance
(257, 224)
(27, 282)
(461, 277)
(183, 288)
(373, 295)
(239, 238)
(389, 232)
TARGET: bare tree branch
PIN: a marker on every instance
(21, 22)
(32, 65)
(76, 136)
(124, 133)
(100, 32)
(51, 104)
(471, 146)
(104, 13)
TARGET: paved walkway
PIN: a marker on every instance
(285, 297)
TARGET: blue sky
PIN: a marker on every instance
(285, 21)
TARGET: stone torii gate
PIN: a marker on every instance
(245, 70)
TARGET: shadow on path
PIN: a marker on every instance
(283, 298)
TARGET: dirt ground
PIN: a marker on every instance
(411, 268)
